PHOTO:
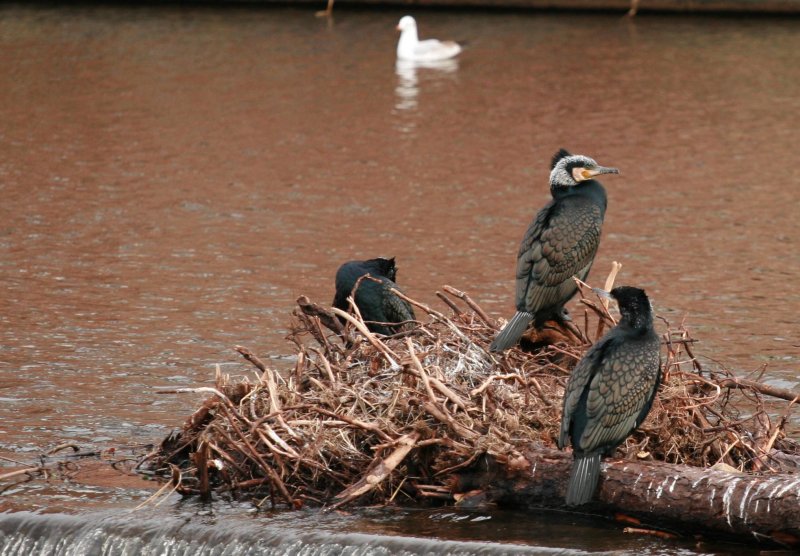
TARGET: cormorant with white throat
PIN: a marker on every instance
(560, 243)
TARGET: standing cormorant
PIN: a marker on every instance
(376, 303)
(560, 243)
(610, 391)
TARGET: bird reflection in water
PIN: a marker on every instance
(408, 79)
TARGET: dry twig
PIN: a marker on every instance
(435, 399)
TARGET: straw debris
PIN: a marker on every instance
(376, 419)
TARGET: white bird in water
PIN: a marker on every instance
(409, 47)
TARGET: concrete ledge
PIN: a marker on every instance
(743, 6)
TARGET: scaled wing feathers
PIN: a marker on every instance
(559, 244)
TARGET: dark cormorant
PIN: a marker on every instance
(374, 300)
(610, 391)
(560, 243)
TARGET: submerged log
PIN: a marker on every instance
(658, 495)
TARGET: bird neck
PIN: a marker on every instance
(409, 37)
(639, 322)
(591, 189)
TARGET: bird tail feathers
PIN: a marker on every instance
(512, 332)
(583, 479)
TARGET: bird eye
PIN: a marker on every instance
(579, 174)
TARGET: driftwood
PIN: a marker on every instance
(431, 416)
(653, 494)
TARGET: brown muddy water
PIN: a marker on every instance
(173, 178)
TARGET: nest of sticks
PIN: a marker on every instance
(392, 419)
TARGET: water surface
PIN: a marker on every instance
(173, 178)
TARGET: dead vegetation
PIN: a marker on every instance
(379, 420)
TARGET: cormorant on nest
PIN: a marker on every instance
(379, 307)
(610, 391)
(560, 243)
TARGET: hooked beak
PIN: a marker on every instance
(603, 170)
(605, 298)
(602, 293)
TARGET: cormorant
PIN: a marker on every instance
(610, 391)
(560, 243)
(374, 300)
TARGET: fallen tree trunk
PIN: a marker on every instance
(661, 495)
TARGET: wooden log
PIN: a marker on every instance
(664, 496)
(765, 389)
(379, 469)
